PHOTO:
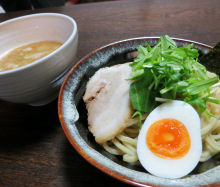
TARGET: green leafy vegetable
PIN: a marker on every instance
(139, 114)
(170, 72)
(141, 94)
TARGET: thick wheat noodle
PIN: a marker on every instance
(211, 128)
(125, 143)
(216, 136)
(125, 139)
(112, 150)
(130, 158)
(122, 147)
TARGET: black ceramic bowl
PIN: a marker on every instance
(73, 117)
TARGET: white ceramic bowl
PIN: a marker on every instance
(37, 83)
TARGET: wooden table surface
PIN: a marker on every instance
(33, 148)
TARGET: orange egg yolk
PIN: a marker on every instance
(168, 138)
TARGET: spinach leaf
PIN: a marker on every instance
(142, 97)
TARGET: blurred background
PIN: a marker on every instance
(14, 5)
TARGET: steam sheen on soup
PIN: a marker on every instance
(26, 54)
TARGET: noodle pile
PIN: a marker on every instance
(125, 143)
(211, 127)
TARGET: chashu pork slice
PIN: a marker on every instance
(108, 103)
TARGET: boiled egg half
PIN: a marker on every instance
(169, 143)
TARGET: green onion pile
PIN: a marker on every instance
(169, 72)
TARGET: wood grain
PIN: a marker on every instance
(33, 148)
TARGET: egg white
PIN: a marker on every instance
(168, 168)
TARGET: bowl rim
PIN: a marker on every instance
(41, 60)
(89, 159)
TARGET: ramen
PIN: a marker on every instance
(27, 54)
(174, 94)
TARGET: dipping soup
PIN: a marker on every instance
(27, 54)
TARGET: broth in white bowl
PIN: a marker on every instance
(27, 54)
